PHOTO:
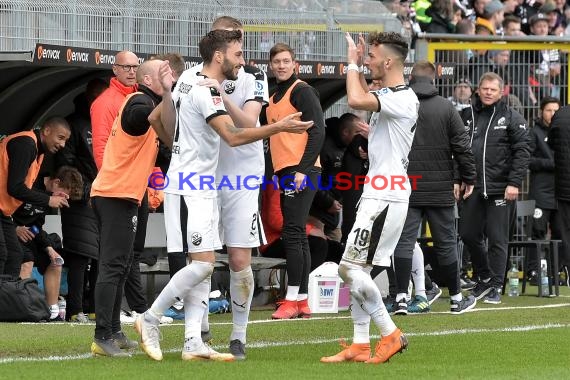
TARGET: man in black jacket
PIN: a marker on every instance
(439, 140)
(78, 223)
(541, 186)
(500, 143)
(559, 141)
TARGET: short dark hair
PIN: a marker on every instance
(511, 19)
(70, 178)
(423, 68)
(346, 121)
(394, 41)
(217, 40)
(280, 47)
(53, 121)
(227, 22)
(175, 61)
(547, 100)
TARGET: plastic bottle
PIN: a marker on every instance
(544, 278)
(35, 230)
(513, 276)
(62, 305)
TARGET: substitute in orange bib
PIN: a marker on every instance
(21, 156)
(296, 162)
(116, 193)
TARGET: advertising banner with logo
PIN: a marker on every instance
(54, 55)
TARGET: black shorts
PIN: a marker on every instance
(32, 253)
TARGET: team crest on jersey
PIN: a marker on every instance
(196, 238)
(230, 87)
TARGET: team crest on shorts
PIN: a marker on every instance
(196, 238)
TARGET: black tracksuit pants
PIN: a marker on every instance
(11, 254)
(442, 227)
(117, 219)
(490, 218)
(295, 209)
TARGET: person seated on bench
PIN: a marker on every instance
(39, 247)
(321, 248)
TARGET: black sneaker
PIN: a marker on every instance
(481, 290)
(401, 307)
(123, 341)
(493, 297)
(107, 347)
(433, 293)
(466, 283)
(460, 307)
(237, 349)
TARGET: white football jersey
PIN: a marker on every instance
(244, 160)
(196, 145)
(391, 135)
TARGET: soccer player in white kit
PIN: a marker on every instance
(241, 228)
(384, 203)
(201, 119)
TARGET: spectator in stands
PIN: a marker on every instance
(500, 143)
(116, 194)
(479, 7)
(21, 156)
(104, 110)
(78, 223)
(559, 141)
(554, 16)
(545, 65)
(295, 162)
(541, 185)
(462, 93)
(526, 11)
(494, 15)
(512, 26)
(382, 212)
(440, 139)
(509, 8)
(40, 248)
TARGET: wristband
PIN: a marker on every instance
(353, 66)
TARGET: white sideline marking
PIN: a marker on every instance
(263, 344)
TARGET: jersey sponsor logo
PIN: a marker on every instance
(75, 56)
(259, 89)
(217, 100)
(47, 53)
(230, 87)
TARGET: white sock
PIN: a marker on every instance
(418, 272)
(361, 322)
(241, 291)
(365, 291)
(54, 311)
(195, 302)
(292, 293)
(457, 297)
(205, 327)
(302, 297)
(401, 297)
(180, 284)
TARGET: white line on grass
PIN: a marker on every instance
(264, 344)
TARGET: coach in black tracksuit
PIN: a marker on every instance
(439, 140)
(500, 143)
(559, 141)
